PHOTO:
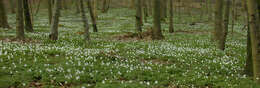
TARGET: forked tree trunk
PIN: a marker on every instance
(226, 23)
(93, 18)
(85, 21)
(55, 20)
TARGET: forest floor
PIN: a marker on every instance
(185, 59)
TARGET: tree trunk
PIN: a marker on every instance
(77, 5)
(163, 10)
(27, 17)
(12, 6)
(254, 22)
(85, 21)
(3, 17)
(145, 10)
(249, 63)
(226, 23)
(94, 5)
(171, 28)
(19, 20)
(233, 16)
(105, 6)
(50, 10)
(219, 29)
(138, 16)
(93, 18)
(157, 34)
(55, 20)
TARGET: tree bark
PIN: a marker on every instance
(93, 18)
(171, 28)
(85, 21)
(3, 17)
(157, 33)
(50, 10)
(105, 6)
(145, 10)
(226, 23)
(55, 20)
(27, 17)
(138, 16)
(163, 10)
(19, 20)
(219, 27)
(12, 6)
(77, 7)
(254, 22)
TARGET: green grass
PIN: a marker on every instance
(182, 59)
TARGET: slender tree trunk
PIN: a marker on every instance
(3, 17)
(94, 20)
(55, 20)
(50, 10)
(105, 6)
(64, 4)
(209, 5)
(233, 15)
(94, 5)
(226, 23)
(157, 33)
(27, 17)
(163, 10)
(254, 21)
(145, 10)
(38, 8)
(77, 7)
(19, 20)
(249, 60)
(85, 21)
(138, 16)
(171, 28)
